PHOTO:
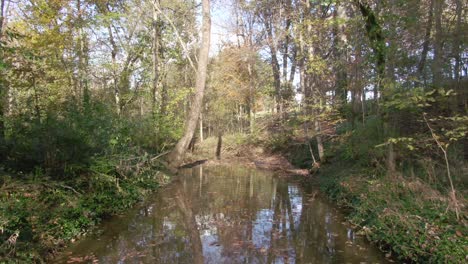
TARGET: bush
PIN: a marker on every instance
(360, 145)
(60, 143)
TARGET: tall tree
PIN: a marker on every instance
(177, 154)
(437, 64)
(155, 55)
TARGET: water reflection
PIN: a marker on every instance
(227, 215)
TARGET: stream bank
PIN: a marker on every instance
(46, 216)
(406, 217)
(227, 214)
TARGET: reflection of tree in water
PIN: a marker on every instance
(283, 233)
(229, 215)
(190, 223)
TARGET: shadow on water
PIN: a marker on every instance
(227, 215)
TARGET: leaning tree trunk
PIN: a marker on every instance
(177, 154)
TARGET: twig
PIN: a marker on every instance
(449, 176)
(69, 188)
(160, 155)
(179, 38)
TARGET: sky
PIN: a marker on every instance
(221, 25)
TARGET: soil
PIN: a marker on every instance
(249, 156)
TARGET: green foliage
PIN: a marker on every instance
(71, 168)
(278, 142)
(360, 144)
(50, 214)
(407, 217)
(61, 142)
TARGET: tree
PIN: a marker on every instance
(177, 154)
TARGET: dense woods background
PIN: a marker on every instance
(92, 91)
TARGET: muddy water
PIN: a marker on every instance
(227, 215)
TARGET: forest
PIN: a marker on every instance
(104, 102)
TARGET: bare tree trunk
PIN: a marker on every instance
(177, 154)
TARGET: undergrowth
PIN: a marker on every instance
(61, 173)
(402, 215)
(45, 215)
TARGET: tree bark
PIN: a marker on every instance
(3, 91)
(177, 154)
(251, 98)
(201, 127)
(377, 42)
(274, 62)
(339, 39)
(427, 40)
(438, 46)
(458, 41)
(219, 145)
(114, 73)
(82, 51)
(155, 57)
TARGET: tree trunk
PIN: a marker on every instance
(251, 99)
(377, 42)
(339, 40)
(201, 127)
(274, 63)
(177, 154)
(219, 145)
(114, 73)
(427, 40)
(318, 136)
(82, 52)
(437, 64)
(286, 40)
(155, 57)
(2, 87)
(457, 42)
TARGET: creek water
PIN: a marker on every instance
(227, 215)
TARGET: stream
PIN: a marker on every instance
(226, 215)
